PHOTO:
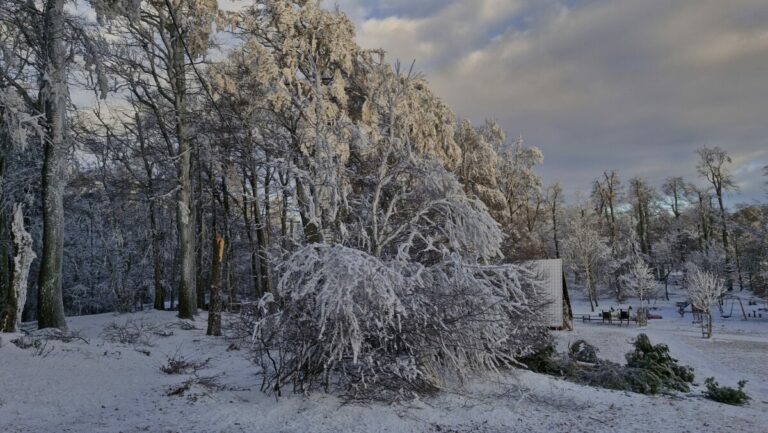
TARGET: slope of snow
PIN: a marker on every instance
(102, 386)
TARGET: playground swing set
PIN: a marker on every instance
(733, 300)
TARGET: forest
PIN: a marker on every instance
(259, 163)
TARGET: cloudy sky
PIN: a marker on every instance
(631, 85)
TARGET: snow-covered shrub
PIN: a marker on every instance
(133, 332)
(656, 360)
(390, 329)
(583, 352)
(649, 368)
(726, 394)
(333, 304)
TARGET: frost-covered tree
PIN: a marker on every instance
(675, 189)
(523, 191)
(172, 36)
(555, 200)
(587, 252)
(399, 282)
(478, 170)
(606, 194)
(713, 166)
(639, 279)
(642, 203)
(627, 254)
(704, 289)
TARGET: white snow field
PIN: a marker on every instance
(103, 386)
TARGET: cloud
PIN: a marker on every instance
(631, 85)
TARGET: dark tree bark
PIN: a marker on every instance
(251, 243)
(5, 245)
(214, 309)
(157, 259)
(50, 302)
(186, 215)
(230, 288)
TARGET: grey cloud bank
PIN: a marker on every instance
(630, 85)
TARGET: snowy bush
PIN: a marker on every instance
(726, 394)
(583, 352)
(389, 329)
(649, 368)
(656, 360)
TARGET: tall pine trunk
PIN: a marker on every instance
(53, 91)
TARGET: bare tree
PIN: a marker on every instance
(555, 202)
(587, 252)
(606, 194)
(713, 167)
(643, 196)
(675, 189)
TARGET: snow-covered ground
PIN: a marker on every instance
(102, 386)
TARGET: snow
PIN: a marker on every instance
(105, 386)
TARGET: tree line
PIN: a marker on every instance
(202, 169)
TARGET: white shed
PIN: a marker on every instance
(553, 293)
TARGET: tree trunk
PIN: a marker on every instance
(311, 231)
(5, 269)
(10, 316)
(588, 282)
(554, 231)
(186, 215)
(724, 228)
(199, 232)
(738, 263)
(50, 302)
(267, 232)
(230, 288)
(284, 210)
(255, 280)
(214, 309)
(5, 244)
(157, 259)
(261, 237)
